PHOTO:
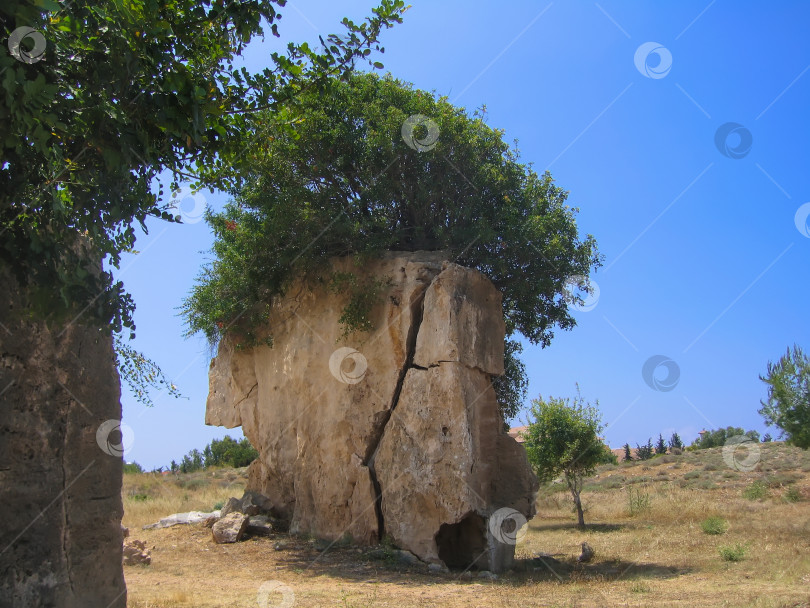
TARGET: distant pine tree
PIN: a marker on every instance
(661, 445)
(645, 452)
(628, 455)
(675, 442)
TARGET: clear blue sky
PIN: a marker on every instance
(704, 263)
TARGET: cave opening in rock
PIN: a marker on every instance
(462, 545)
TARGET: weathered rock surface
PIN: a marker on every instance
(251, 503)
(60, 532)
(136, 553)
(259, 525)
(232, 505)
(230, 528)
(396, 431)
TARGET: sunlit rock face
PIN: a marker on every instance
(390, 432)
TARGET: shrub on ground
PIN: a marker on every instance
(733, 553)
(756, 491)
(714, 525)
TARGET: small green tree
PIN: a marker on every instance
(661, 445)
(563, 439)
(788, 404)
(675, 442)
(628, 455)
(766, 438)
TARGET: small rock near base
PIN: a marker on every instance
(135, 553)
(230, 529)
(587, 553)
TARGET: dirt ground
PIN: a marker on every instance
(644, 523)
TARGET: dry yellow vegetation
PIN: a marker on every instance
(644, 525)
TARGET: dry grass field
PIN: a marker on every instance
(646, 525)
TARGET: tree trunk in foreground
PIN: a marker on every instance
(575, 487)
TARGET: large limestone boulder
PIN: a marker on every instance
(396, 431)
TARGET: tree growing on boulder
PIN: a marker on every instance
(375, 166)
(562, 439)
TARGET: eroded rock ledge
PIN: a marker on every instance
(413, 446)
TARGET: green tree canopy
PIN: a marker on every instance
(788, 404)
(562, 439)
(99, 98)
(375, 165)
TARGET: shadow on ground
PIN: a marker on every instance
(587, 528)
(549, 568)
(382, 564)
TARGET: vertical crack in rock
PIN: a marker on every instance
(417, 311)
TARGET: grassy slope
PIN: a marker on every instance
(656, 556)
